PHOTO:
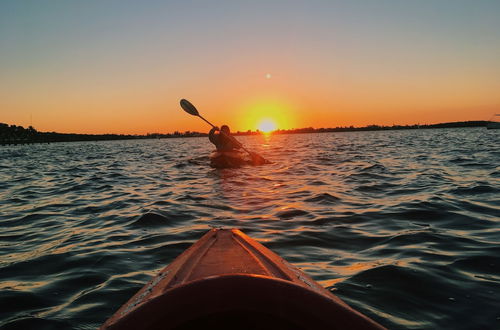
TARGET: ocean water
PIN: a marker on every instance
(402, 225)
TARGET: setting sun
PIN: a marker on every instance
(266, 114)
(267, 125)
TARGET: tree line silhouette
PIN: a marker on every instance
(12, 134)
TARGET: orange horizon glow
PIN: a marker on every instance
(260, 114)
(137, 124)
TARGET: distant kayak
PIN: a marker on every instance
(228, 159)
(226, 280)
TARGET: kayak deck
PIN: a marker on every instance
(229, 159)
(228, 280)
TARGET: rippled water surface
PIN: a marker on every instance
(402, 225)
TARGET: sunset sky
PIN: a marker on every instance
(122, 66)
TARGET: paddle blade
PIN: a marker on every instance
(189, 108)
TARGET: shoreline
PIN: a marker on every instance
(15, 135)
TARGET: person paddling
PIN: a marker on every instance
(223, 140)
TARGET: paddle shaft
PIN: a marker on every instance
(209, 123)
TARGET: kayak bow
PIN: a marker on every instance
(226, 280)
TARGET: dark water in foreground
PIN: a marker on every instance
(402, 225)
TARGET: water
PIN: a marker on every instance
(402, 225)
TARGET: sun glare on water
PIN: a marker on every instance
(267, 126)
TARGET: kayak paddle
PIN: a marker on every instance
(191, 109)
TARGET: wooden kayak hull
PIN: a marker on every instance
(228, 280)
